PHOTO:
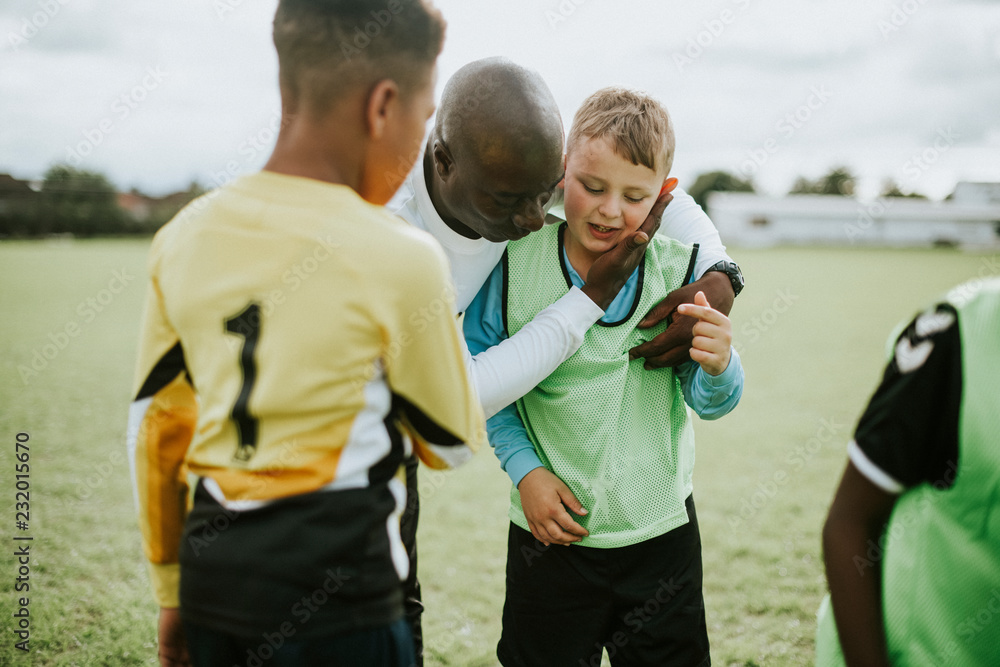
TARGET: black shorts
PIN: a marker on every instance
(642, 603)
(386, 646)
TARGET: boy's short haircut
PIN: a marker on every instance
(328, 47)
(638, 126)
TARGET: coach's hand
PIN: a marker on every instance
(673, 346)
(544, 499)
(173, 648)
(611, 270)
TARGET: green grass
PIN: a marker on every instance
(811, 327)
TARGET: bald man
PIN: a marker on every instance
(490, 169)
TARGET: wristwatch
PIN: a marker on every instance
(733, 271)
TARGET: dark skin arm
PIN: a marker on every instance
(173, 648)
(673, 346)
(858, 515)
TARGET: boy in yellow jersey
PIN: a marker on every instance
(315, 328)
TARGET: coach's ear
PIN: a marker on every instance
(444, 163)
(382, 103)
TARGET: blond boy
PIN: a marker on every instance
(617, 436)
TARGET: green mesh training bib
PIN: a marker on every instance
(618, 435)
(941, 573)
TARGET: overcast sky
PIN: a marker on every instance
(157, 94)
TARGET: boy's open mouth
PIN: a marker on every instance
(601, 232)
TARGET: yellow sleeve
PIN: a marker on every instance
(426, 370)
(161, 424)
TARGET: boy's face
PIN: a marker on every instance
(607, 197)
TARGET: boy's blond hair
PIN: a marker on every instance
(638, 126)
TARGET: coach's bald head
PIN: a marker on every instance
(495, 153)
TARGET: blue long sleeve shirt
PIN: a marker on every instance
(710, 396)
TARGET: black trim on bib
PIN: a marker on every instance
(569, 282)
(504, 262)
(690, 272)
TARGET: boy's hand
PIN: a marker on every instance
(671, 347)
(713, 335)
(611, 270)
(544, 498)
(173, 647)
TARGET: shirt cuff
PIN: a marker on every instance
(579, 311)
(727, 376)
(166, 584)
(521, 463)
(872, 472)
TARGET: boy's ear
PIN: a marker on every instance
(444, 162)
(382, 102)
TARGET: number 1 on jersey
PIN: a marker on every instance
(247, 325)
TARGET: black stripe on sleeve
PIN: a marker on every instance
(164, 372)
(425, 427)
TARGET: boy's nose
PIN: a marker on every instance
(609, 208)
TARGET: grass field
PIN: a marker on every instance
(811, 327)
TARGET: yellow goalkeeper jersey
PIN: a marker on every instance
(292, 334)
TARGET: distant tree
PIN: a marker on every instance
(18, 207)
(717, 181)
(838, 181)
(79, 202)
(167, 207)
(891, 189)
(802, 186)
